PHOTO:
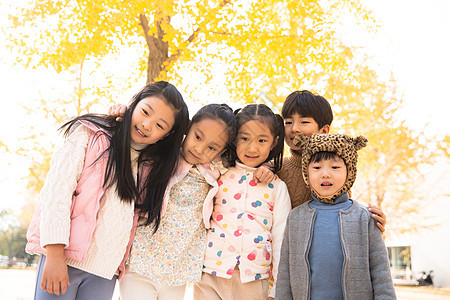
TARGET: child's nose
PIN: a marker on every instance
(325, 173)
(252, 147)
(296, 126)
(200, 148)
(146, 124)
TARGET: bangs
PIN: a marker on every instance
(324, 155)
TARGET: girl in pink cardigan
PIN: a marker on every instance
(83, 224)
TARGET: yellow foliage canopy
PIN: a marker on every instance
(268, 46)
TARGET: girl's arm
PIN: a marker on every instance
(56, 200)
(55, 273)
(59, 187)
(281, 210)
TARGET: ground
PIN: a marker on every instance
(19, 284)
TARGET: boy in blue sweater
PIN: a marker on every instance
(332, 248)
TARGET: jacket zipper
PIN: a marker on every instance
(344, 255)
(308, 283)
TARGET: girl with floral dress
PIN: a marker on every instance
(249, 218)
(169, 241)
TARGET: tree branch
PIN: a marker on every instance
(210, 16)
(158, 48)
(261, 35)
(144, 24)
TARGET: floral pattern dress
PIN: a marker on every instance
(174, 254)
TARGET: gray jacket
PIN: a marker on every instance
(365, 274)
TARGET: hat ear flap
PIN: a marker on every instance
(360, 142)
(300, 141)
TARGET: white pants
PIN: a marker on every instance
(134, 286)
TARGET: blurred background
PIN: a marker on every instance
(383, 65)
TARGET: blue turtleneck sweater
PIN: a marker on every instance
(325, 255)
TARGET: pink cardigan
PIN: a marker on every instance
(83, 211)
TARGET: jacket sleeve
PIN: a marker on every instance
(283, 283)
(281, 210)
(383, 287)
(61, 182)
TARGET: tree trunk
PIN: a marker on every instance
(158, 50)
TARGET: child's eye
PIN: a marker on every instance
(145, 112)
(244, 138)
(212, 148)
(197, 137)
(160, 126)
(262, 141)
(305, 122)
(287, 122)
(336, 167)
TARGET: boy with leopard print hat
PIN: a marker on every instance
(332, 248)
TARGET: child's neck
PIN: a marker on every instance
(340, 199)
(242, 164)
(297, 152)
(136, 146)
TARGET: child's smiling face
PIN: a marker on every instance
(297, 124)
(327, 176)
(152, 119)
(205, 141)
(254, 143)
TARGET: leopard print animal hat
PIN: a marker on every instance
(343, 145)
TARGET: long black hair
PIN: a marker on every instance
(264, 114)
(162, 156)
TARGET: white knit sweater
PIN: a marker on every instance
(114, 218)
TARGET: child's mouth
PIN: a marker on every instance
(195, 156)
(140, 132)
(326, 184)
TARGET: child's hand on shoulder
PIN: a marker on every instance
(379, 216)
(117, 110)
(263, 174)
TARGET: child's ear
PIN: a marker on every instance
(325, 129)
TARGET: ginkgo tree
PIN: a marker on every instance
(265, 47)
(269, 45)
